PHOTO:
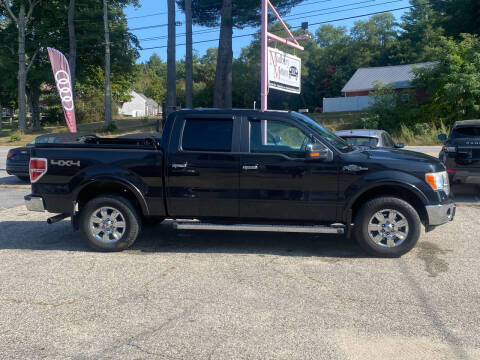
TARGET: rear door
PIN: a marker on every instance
(203, 167)
(276, 182)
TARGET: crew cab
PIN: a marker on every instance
(461, 152)
(241, 170)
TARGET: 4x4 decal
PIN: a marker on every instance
(65, 162)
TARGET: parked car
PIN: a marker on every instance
(461, 152)
(241, 170)
(18, 158)
(368, 138)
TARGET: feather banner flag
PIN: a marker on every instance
(61, 73)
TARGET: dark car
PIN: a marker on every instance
(461, 152)
(18, 158)
(368, 138)
(241, 170)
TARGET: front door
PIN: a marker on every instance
(202, 169)
(276, 180)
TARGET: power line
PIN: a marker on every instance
(293, 27)
(295, 18)
(291, 17)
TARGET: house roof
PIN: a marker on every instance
(400, 76)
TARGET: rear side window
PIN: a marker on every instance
(362, 141)
(465, 132)
(207, 135)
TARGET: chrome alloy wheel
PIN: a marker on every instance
(107, 224)
(388, 228)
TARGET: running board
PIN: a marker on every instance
(197, 225)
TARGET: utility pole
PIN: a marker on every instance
(108, 94)
(188, 55)
(171, 71)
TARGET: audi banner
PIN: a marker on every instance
(61, 73)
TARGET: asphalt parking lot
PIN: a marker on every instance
(224, 295)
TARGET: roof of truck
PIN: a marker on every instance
(475, 122)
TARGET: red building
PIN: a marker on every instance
(362, 83)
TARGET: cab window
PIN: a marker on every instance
(282, 137)
(207, 135)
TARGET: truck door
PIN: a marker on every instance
(276, 180)
(202, 167)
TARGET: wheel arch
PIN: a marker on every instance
(406, 192)
(109, 185)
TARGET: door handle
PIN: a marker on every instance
(179, 166)
(249, 167)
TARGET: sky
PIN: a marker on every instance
(154, 12)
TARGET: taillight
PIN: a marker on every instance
(38, 168)
(10, 154)
(450, 149)
(452, 171)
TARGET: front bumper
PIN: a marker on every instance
(465, 176)
(34, 203)
(441, 213)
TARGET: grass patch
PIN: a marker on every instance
(421, 135)
(123, 126)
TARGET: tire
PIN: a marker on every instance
(99, 227)
(24, 178)
(379, 227)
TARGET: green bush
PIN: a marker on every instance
(15, 137)
(53, 115)
(110, 128)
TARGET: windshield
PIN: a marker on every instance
(465, 132)
(333, 139)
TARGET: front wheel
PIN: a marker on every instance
(110, 223)
(387, 227)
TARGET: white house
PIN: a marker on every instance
(139, 105)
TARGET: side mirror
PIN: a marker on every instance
(318, 152)
(399, 145)
(442, 137)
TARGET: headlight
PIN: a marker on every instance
(438, 181)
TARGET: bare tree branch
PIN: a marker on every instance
(31, 61)
(7, 7)
(30, 10)
(9, 48)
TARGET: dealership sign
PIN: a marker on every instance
(284, 71)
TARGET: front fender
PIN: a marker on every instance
(386, 178)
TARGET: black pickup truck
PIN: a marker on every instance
(461, 152)
(241, 170)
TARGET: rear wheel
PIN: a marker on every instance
(387, 227)
(110, 223)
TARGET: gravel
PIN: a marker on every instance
(220, 295)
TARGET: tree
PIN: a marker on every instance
(188, 55)
(458, 16)
(108, 94)
(222, 96)
(171, 72)
(72, 42)
(420, 34)
(229, 14)
(22, 18)
(453, 85)
(372, 40)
